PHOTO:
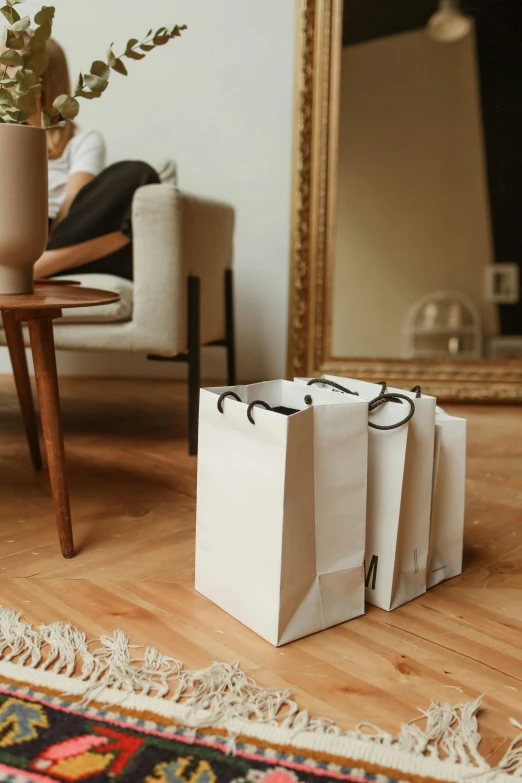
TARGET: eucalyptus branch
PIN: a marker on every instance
(25, 61)
(92, 85)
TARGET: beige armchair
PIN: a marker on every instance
(182, 294)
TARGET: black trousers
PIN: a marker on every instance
(103, 206)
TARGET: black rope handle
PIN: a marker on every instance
(333, 384)
(380, 400)
(373, 405)
(251, 407)
(416, 389)
(223, 398)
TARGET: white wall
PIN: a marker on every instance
(413, 211)
(220, 101)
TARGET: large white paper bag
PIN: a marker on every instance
(281, 509)
(449, 488)
(400, 474)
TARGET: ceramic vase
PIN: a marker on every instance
(23, 205)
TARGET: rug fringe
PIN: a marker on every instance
(512, 761)
(223, 694)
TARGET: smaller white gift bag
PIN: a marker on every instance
(281, 506)
(400, 477)
(448, 503)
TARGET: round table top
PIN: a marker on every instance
(50, 295)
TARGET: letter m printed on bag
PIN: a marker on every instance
(370, 575)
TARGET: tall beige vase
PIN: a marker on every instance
(23, 205)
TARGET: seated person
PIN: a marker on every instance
(90, 206)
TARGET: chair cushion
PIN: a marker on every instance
(102, 314)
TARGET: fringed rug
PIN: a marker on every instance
(100, 712)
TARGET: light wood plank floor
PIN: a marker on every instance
(133, 501)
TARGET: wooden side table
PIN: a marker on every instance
(39, 310)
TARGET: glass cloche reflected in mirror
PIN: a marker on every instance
(427, 184)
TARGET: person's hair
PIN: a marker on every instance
(56, 81)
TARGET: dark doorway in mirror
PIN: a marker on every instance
(498, 31)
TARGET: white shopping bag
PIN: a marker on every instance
(449, 487)
(281, 507)
(400, 474)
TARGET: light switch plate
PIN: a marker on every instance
(502, 283)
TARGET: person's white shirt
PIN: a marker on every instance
(86, 152)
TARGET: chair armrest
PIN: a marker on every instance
(176, 235)
(158, 308)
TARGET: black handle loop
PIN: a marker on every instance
(251, 407)
(380, 400)
(384, 386)
(333, 384)
(223, 398)
(417, 391)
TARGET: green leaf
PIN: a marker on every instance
(175, 30)
(14, 41)
(132, 43)
(101, 69)
(90, 96)
(14, 2)
(115, 63)
(79, 83)
(37, 62)
(28, 81)
(95, 83)
(67, 106)
(10, 57)
(37, 45)
(11, 14)
(27, 104)
(50, 119)
(42, 34)
(22, 25)
(160, 39)
(133, 55)
(46, 119)
(147, 47)
(119, 67)
(46, 15)
(16, 93)
(5, 98)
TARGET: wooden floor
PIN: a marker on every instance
(133, 501)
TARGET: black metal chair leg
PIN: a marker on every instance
(230, 328)
(194, 362)
(193, 355)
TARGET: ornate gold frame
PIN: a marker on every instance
(314, 190)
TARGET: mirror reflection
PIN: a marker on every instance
(428, 239)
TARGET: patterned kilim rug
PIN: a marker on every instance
(74, 711)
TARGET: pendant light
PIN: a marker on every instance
(448, 23)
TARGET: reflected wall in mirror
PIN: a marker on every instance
(408, 194)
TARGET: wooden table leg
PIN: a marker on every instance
(15, 343)
(42, 344)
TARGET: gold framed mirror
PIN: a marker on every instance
(394, 157)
